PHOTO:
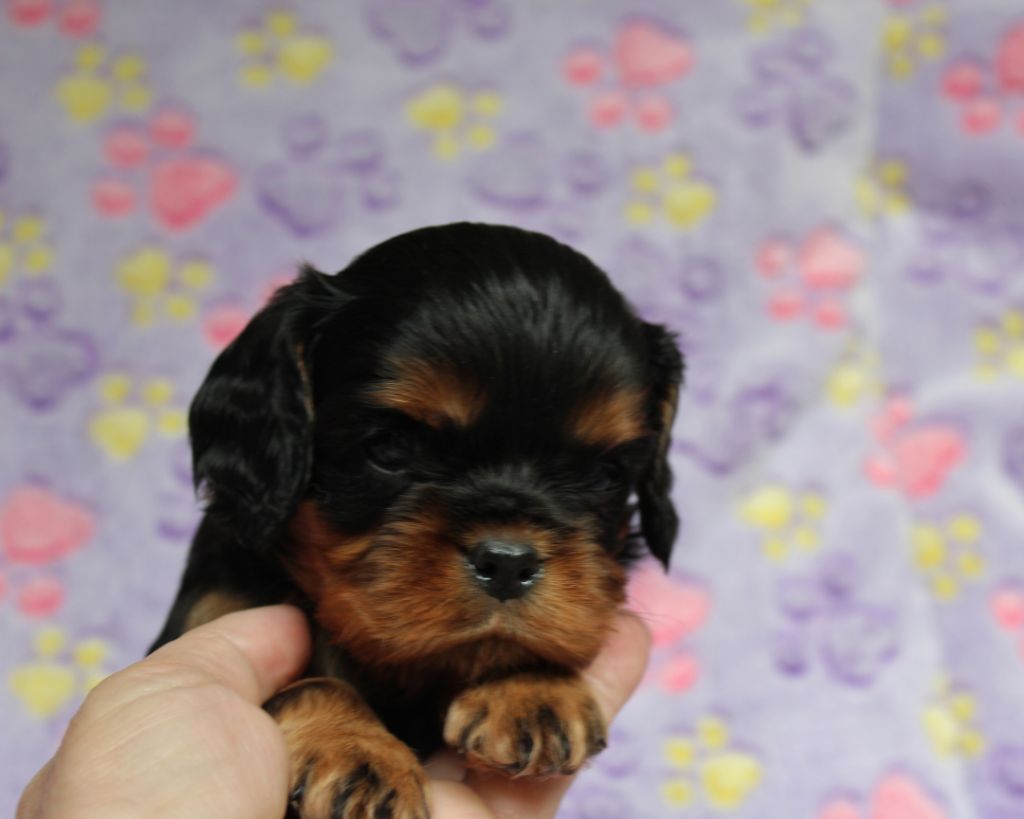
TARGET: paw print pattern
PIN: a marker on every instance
(826, 622)
(182, 187)
(915, 459)
(422, 31)
(913, 36)
(950, 722)
(41, 361)
(74, 18)
(793, 87)
(629, 80)
(855, 378)
(673, 610)
(59, 673)
(455, 119)
(159, 287)
(765, 15)
(1007, 766)
(308, 191)
(882, 189)
(38, 530)
(670, 191)
(896, 796)
(98, 84)
(948, 554)
(124, 425)
(787, 520)
(1007, 606)
(988, 95)
(24, 247)
(999, 347)
(708, 768)
(279, 47)
(811, 279)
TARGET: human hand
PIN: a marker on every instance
(181, 733)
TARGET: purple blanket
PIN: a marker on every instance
(824, 197)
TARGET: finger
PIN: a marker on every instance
(253, 653)
(31, 800)
(613, 676)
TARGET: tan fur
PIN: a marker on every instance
(211, 606)
(370, 595)
(335, 743)
(431, 394)
(610, 419)
(527, 725)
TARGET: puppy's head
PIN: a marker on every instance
(443, 444)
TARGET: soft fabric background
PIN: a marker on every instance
(823, 196)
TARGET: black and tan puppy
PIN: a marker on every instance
(438, 454)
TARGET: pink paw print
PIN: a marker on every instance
(223, 322)
(989, 95)
(1008, 610)
(38, 529)
(811, 280)
(75, 18)
(626, 79)
(896, 796)
(914, 460)
(673, 610)
(181, 186)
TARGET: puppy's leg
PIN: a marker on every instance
(527, 724)
(345, 764)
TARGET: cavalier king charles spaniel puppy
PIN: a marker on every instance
(447, 455)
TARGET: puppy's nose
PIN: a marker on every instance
(504, 568)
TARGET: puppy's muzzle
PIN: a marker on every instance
(505, 569)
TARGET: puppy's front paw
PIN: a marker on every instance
(526, 725)
(344, 763)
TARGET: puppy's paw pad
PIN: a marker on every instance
(528, 725)
(359, 779)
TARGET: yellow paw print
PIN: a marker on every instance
(122, 428)
(999, 347)
(24, 247)
(788, 521)
(708, 769)
(855, 378)
(947, 555)
(950, 721)
(766, 15)
(280, 47)
(96, 85)
(49, 683)
(882, 189)
(159, 288)
(671, 191)
(912, 36)
(455, 118)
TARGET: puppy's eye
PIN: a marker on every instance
(390, 450)
(607, 476)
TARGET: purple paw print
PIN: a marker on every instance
(1007, 762)
(854, 641)
(522, 178)
(1013, 456)
(950, 238)
(177, 512)
(310, 190)
(792, 87)
(40, 361)
(421, 31)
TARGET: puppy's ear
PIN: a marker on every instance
(658, 520)
(251, 421)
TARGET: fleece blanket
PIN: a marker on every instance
(823, 197)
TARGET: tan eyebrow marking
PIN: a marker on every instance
(610, 419)
(435, 395)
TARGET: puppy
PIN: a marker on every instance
(438, 454)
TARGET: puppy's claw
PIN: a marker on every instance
(526, 725)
